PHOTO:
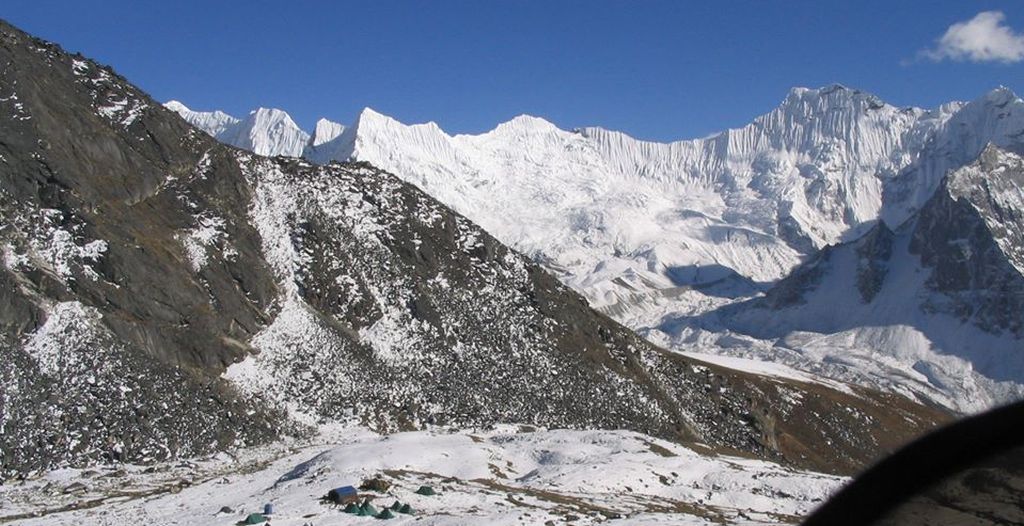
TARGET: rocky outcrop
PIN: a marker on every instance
(940, 298)
(874, 251)
(971, 235)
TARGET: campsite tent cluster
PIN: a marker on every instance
(367, 510)
(348, 496)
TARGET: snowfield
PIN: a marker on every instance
(506, 475)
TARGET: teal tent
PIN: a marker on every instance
(426, 490)
(255, 518)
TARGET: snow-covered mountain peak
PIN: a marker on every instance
(837, 90)
(325, 131)
(176, 106)
(635, 224)
(370, 118)
(830, 98)
(1000, 103)
(523, 125)
(370, 113)
(269, 131)
(375, 132)
(212, 122)
(951, 137)
(370, 121)
(1001, 95)
(830, 112)
(373, 126)
(370, 126)
(272, 117)
(266, 131)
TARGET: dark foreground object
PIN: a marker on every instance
(969, 473)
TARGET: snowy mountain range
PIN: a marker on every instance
(659, 235)
(264, 131)
(166, 296)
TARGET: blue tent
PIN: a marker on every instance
(342, 495)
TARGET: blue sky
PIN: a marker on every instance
(658, 70)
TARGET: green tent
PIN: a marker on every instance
(406, 509)
(426, 490)
(352, 508)
(255, 518)
(369, 510)
(386, 514)
(396, 506)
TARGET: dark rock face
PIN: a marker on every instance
(873, 253)
(106, 327)
(970, 240)
(970, 472)
(971, 234)
(942, 295)
(987, 493)
(143, 264)
(790, 291)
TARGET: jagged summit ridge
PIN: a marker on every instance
(215, 123)
(822, 161)
(995, 118)
(265, 131)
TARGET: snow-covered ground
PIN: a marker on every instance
(505, 475)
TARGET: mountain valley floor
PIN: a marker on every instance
(506, 475)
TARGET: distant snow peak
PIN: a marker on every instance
(325, 131)
(270, 131)
(370, 116)
(833, 97)
(1001, 95)
(265, 131)
(214, 123)
(526, 124)
(177, 107)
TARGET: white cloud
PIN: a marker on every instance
(984, 38)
